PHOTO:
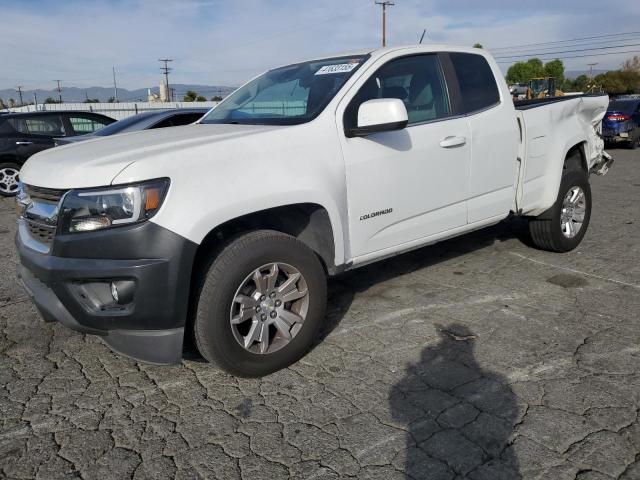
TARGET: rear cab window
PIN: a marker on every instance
(178, 120)
(477, 85)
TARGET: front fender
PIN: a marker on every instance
(200, 224)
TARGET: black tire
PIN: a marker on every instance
(212, 330)
(7, 190)
(635, 140)
(545, 229)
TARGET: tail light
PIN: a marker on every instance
(618, 117)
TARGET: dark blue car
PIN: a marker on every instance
(621, 123)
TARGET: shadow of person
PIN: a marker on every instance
(460, 418)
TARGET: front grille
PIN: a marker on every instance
(41, 232)
(40, 214)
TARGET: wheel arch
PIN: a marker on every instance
(10, 158)
(576, 162)
(309, 222)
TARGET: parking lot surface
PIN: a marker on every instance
(479, 357)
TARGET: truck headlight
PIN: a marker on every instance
(97, 209)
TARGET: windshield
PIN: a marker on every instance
(286, 96)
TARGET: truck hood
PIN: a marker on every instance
(96, 162)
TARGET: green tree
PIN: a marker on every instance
(111, 100)
(555, 68)
(51, 100)
(190, 96)
(578, 84)
(619, 82)
(91, 100)
(477, 45)
(2, 106)
(217, 98)
(522, 72)
(200, 98)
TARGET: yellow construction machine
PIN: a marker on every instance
(543, 87)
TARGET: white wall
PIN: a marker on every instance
(114, 110)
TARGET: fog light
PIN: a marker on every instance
(114, 292)
(122, 291)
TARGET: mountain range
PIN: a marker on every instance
(75, 94)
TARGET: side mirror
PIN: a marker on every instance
(380, 115)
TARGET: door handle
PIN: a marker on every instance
(453, 141)
(24, 143)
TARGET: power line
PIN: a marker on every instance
(581, 56)
(564, 41)
(569, 51)
(384, 4)
(603, 43)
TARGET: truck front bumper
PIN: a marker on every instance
(73, 286)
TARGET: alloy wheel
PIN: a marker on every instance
(574, 207)
(269, 308)
(9, 180)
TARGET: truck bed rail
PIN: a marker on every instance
(537, 102)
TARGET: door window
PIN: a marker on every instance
(84, 125)
(478, 88)
(50, 126)
(417, 81)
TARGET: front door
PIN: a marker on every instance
(409, 184)
(35, 133)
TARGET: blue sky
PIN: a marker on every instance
(226, 42)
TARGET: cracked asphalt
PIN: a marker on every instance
(479, 358)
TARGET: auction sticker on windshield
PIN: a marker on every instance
(337, 68)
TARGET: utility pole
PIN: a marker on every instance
(384, 5)
(59, 90)
(166, 71)
(591, 65)
(423, 34)
(115, 88)
(19, 89)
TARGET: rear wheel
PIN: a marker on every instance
(9, 176)
(634, 142)
(261, 304)
(563, 226)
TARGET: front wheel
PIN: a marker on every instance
(563, 226)
(9, 176)
(261, 304)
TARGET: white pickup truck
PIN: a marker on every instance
(226, 229)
